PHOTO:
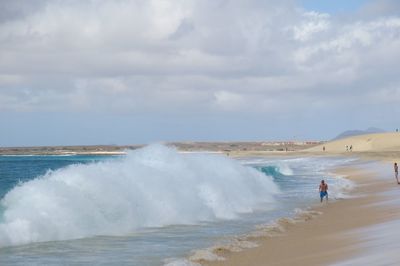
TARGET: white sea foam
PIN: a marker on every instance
(285, 169)
(151, 187)
(340, 187)
(205, 255)
(181, 262)
(237, 245)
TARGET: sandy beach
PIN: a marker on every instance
(333, 236)
(359, 228)
(198, 133)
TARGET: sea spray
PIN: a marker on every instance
(151, 187)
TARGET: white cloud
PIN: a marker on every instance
(311, 24)
(191, 56)
(229, 100)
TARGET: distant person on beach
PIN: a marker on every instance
(323, 148)
(396, 172)
(323, 190)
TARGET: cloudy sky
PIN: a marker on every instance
(140, 71)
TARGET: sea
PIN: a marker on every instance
(152, 206)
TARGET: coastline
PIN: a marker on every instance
(325, 239)
(220, 147)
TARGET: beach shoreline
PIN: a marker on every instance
(323, 239)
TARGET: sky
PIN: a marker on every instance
(87, 72)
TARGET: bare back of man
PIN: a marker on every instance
(323, 190)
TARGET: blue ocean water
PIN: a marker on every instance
(149, 207)
(18, 169)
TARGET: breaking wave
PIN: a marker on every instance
(152, 187)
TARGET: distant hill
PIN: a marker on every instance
(356, 132)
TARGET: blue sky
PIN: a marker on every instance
(130, 72)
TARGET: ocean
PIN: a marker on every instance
(153, 206)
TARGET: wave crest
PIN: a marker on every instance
(151, 187)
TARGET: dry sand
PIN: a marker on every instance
(382, 142)
(326, 238)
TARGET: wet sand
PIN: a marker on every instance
(326, 238)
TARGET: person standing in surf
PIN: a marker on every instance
(323, 190)
(396, 173)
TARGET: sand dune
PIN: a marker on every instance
(363, 143)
